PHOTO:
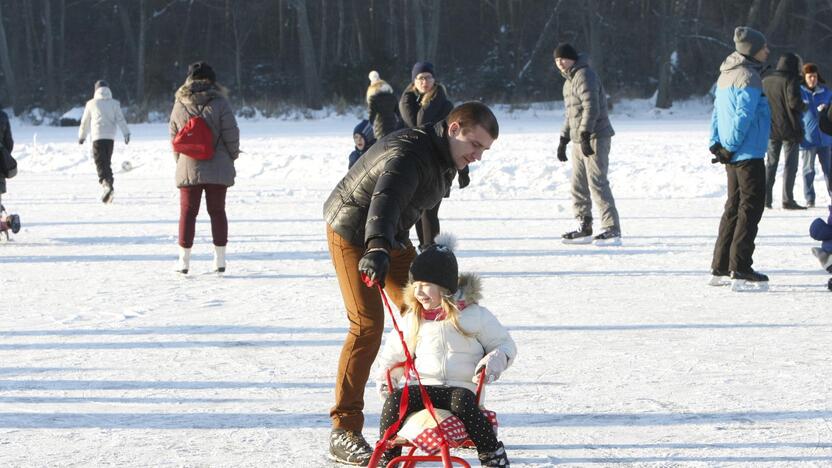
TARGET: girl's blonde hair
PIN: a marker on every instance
(413, 313)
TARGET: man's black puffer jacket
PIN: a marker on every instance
(384, 193)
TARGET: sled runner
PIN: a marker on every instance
(431, 430)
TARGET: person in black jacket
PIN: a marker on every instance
(426, 101)
(369, 215)
(782, 87)
(8, 142)
(383, 106)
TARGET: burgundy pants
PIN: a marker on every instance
(189, 199)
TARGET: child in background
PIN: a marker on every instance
(822, 231)
(451, 338)
(363, 137)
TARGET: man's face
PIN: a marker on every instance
(811, 80)
(762, 54)
(564, 64)
(359, 141)
(467, 144)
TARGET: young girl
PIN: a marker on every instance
(450, 337)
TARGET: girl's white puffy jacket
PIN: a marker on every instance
(444, 356)
(101, 116)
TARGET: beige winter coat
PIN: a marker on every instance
(210, 99)
(443, 355)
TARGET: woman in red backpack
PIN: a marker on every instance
(201, 96)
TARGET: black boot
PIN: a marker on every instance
(582, 235)
(496, 458)
(349, 447)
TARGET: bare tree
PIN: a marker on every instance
(312, 83)
(6, 63)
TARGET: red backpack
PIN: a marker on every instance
(195, 139)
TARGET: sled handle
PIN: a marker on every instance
(480, 384)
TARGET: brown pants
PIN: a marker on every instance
(365, 311)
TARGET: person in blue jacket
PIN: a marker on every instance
(815, 142)
(740, 128)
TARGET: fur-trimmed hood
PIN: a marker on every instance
(468, 292)
(200, 91)
(378, 87)
(102, 92)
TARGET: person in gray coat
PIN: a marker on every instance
(201, 95)
(587, 125)
(102, 117)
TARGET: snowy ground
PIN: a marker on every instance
(108, 358)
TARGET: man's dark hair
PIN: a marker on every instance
(473, 113)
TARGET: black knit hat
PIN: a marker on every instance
(437, 265)
(201, 71)
(421, 67)
(565, 50)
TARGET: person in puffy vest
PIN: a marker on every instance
(451, 338)
(740, 126)
(201, 95)
(816, 142)
(102, 116)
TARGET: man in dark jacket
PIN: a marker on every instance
(368, 216)
(782, 87)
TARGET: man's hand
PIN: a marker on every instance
(562, 148)
(374, 266)
(80, 141)
(586, 145)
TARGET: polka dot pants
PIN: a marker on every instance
(459, 401)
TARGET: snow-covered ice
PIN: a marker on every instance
(626, 356)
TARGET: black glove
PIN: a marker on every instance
(374, 266)
(80, 141)
(586, 147)
(721, 155)
(464, 178)
(562, 148)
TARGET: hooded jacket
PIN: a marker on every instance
(417, 109)
(442, 355)
(741, 120)
(203, 96)
(102, 115)
(782, 88)
(813, 98)
(383, 107)
(384, 193)
(585, 102)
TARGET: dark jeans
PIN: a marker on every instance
(459, 401)
(791, 152)
(189, 199)
(824, 155)
(743, 211)
(102, 153)
(427, 227)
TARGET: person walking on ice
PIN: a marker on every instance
(102, 115)
(740, 127)
(588, 127)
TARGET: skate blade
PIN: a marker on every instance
(578, 241)
(613, 242)
(719, 281)
(738, 285)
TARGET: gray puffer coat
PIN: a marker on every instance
(585, 101)
(209, 98)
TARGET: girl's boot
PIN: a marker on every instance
(219, 259)
(184, 260)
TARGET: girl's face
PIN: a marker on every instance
(424, 82)
(428, 294)
(359, 141)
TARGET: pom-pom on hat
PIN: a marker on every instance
(437, 264)
(374, 76)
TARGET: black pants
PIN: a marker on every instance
(459, 401)
(743, 211)
(427, 227)
(102, 153)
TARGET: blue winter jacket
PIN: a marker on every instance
(813, 136)
(741, 121)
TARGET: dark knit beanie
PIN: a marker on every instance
(201, 71)
(565, 50)
(437, 265)
(101, 84)
(748, 41)
(421, 67)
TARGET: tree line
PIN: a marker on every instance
(279, 54)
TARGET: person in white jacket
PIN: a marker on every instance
(451, 337)
(102, 115)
